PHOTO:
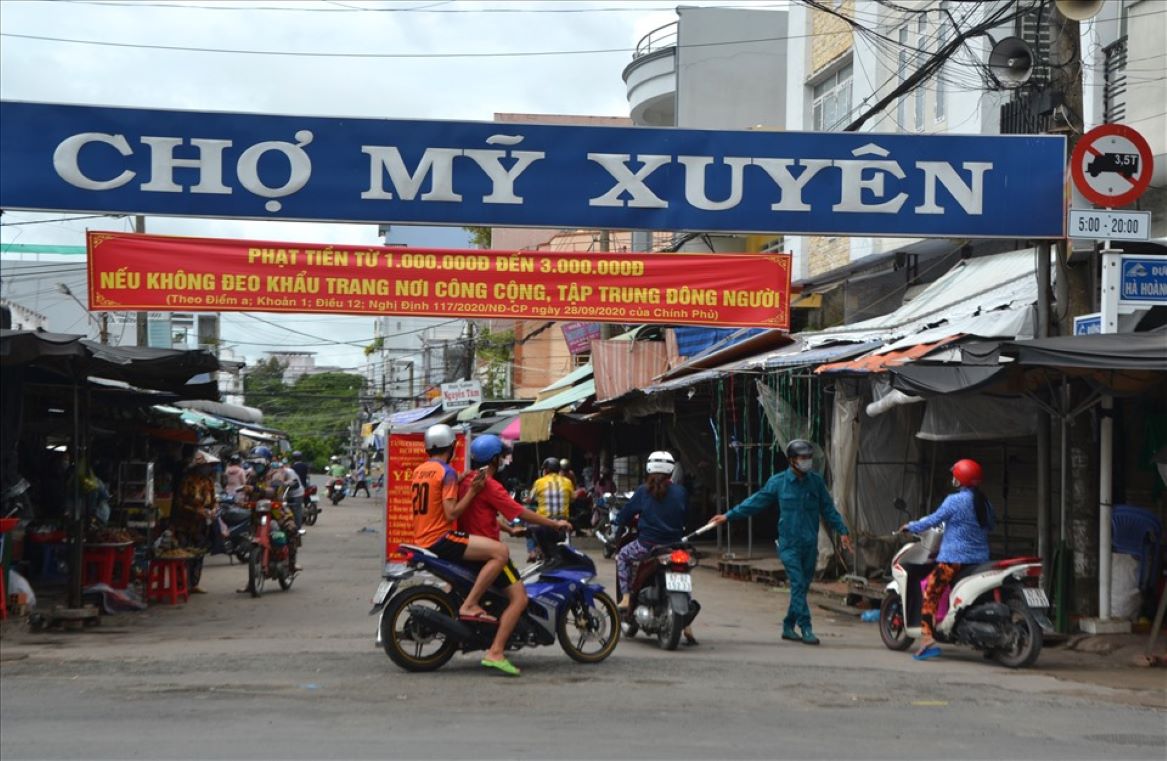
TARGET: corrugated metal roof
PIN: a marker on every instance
(572, 378)
(565, 397)
(972, 288)
(881, 361)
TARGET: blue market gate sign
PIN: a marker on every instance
(185, 163)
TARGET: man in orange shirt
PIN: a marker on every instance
(436, 509)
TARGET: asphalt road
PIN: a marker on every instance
(296, 675)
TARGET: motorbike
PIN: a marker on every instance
(336, 490)
(233, 535)
(417, 604)
(662, 593)
(579, 512)
(610, 544)
(270, 550)
(997, 607)
(311, 505)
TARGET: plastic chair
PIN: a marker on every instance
(1138, 532)
(167, 581)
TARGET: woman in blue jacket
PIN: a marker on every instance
(967, 516)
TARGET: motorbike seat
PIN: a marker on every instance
(419, 550)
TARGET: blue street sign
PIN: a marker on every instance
(1088, 324)
(184, 163)
(1143, 280)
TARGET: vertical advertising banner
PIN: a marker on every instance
(406, 452)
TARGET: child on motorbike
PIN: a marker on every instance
(481, 519)
(436, 510)
(968, 518)
(662, 506)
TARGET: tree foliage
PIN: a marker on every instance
(479, 236)
(315, 411)
(496, 352)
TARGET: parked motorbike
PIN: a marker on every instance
(311, 505)
(419, 628)
(662, 592)
(336, 490)
(997, 607)
(233, 530)
(270, 550)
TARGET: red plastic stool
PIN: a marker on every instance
(97, 563)
(167, 581)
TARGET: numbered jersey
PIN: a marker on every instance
(433, 483)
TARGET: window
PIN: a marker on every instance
(901, 102)
(832, 101)
(941, 40)
(922, 44)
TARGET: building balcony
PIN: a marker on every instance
(651, 78)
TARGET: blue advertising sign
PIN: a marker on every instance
(1088, 324)
(185, 163)
(1143, 280)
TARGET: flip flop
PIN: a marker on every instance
(503, 665)
(478, 618)
(927, 653)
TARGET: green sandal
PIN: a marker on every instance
(503, 665)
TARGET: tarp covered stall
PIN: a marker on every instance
(536, 419)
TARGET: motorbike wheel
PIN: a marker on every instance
(629, 627)
(609, 550)
(405, 639)
(255, 576)
(241, 548)
(285, 580)
(1027, 640)
(892, 626)
(310, 518)
(669, 635)
(581, 625)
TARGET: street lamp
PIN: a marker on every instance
(102, 324)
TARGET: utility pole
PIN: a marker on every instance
(470, 350)
(1078, 450)
(142, 333)
(604, 247)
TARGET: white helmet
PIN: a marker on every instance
(661, 462)
(437, 437)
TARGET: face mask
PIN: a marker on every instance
(803, 464)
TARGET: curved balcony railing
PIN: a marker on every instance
(658, 39)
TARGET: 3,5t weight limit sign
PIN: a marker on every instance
(1097, 224)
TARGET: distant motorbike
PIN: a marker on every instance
(579, 512)
(336, 490)
(311, 505)
(997, 607)
(270, 551)
(420, 630)
(662, 593)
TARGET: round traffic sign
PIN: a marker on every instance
(1111, 165)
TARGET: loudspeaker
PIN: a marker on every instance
(1078, 10)
(1011, 61)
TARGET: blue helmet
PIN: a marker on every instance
(261, 453)
(486, 447)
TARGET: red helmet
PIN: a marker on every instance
(967, 473)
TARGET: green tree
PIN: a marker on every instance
(496, 352)
(479, 236)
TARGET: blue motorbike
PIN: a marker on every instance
(419, 627)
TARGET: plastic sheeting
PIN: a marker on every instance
(977, 417)
(844, 454)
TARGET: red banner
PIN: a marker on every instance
(131, 273)
(405, 452)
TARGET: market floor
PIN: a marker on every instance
(296, 675)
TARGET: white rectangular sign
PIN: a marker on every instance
(1103, 224)
(461, 394)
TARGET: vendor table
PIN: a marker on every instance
(108, 564)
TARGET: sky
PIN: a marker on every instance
(543, 59)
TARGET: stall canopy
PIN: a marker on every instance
(186, 373)
(536, 419)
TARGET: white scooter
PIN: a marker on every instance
(997, 607)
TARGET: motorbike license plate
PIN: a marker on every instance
(382, 591)
(678, 582)
(1035, 598)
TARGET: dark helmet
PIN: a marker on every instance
(297, 455)
(486, 447)
(551, 465)
(799, 448)
(235, 459)
(261, 453)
